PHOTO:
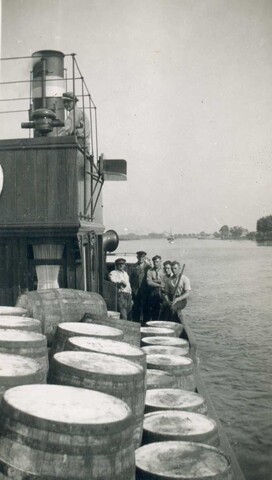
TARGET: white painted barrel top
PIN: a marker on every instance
(91, 329)
(175, 399)
(182, 461)
(155, 331)
(66, 408)
(167, 341)
(178, 425)
(12, 311)
(21, 323)
(106, 346)
(180, 363)
(99, 363)
(21, 338)
(165, 350)
(177, 327)
(12, 366)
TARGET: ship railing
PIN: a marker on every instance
(20, 91)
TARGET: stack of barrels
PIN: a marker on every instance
(179, 440)
(120, 401)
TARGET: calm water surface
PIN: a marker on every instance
(230, 312)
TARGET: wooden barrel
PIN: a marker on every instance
(27, 344)
(174, 399)
(182, 368)
(104, 373)
(177, 425)
(166, 341)
(156, 331)
(74, 329)
(165, 350)
(113, 314)
(59, 305)
(17, 370)
(12, 311)
(20, 323)
(177, 327)
(108, 347)
(174, 460)
(65, 433)
(131, 330)
(159, 379)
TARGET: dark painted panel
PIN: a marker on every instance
(40, 187)
(25, 185)
(8, 195)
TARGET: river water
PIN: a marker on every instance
(230, 313)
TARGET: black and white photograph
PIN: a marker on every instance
(135, 239)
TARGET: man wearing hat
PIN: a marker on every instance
(77, 122)
(120, 277)
(154, 281)
(140, 288)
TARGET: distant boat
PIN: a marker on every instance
(171, 238)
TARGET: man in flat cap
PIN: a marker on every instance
(139, 288)
(120, 277)
(154, 282)
(77, 122)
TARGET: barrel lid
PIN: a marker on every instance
(157, 331)
(165, 350)
(8, 321)
(156, 361)
(159, 378)
(182, 425)
(173, 398)
(89, 329)
(12, 311)
(21, 337)
(160, 340)
(66, 409)
(178, 327)
(16, 366)
(98, 363)
(104, 345)
(182, 461)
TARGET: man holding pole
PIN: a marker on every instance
(176, 291)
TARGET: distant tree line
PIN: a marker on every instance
(264, 229)
(263, 233)
(236, 233)
(225, 233)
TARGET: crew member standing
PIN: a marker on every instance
(165, 312)
(176, 291)
(120, 277)
(154, 281)
(81, 126)
(139, 288)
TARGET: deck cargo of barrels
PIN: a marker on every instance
(115, 392)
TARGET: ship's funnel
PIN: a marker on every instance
(48, 82)
(110, 241)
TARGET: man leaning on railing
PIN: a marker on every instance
(81, 126)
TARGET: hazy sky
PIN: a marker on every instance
(184, 94)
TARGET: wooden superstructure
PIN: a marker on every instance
(51, 220)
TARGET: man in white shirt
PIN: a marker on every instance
(176, 292)
(124, 298)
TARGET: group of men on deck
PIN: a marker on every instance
(157, 292)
